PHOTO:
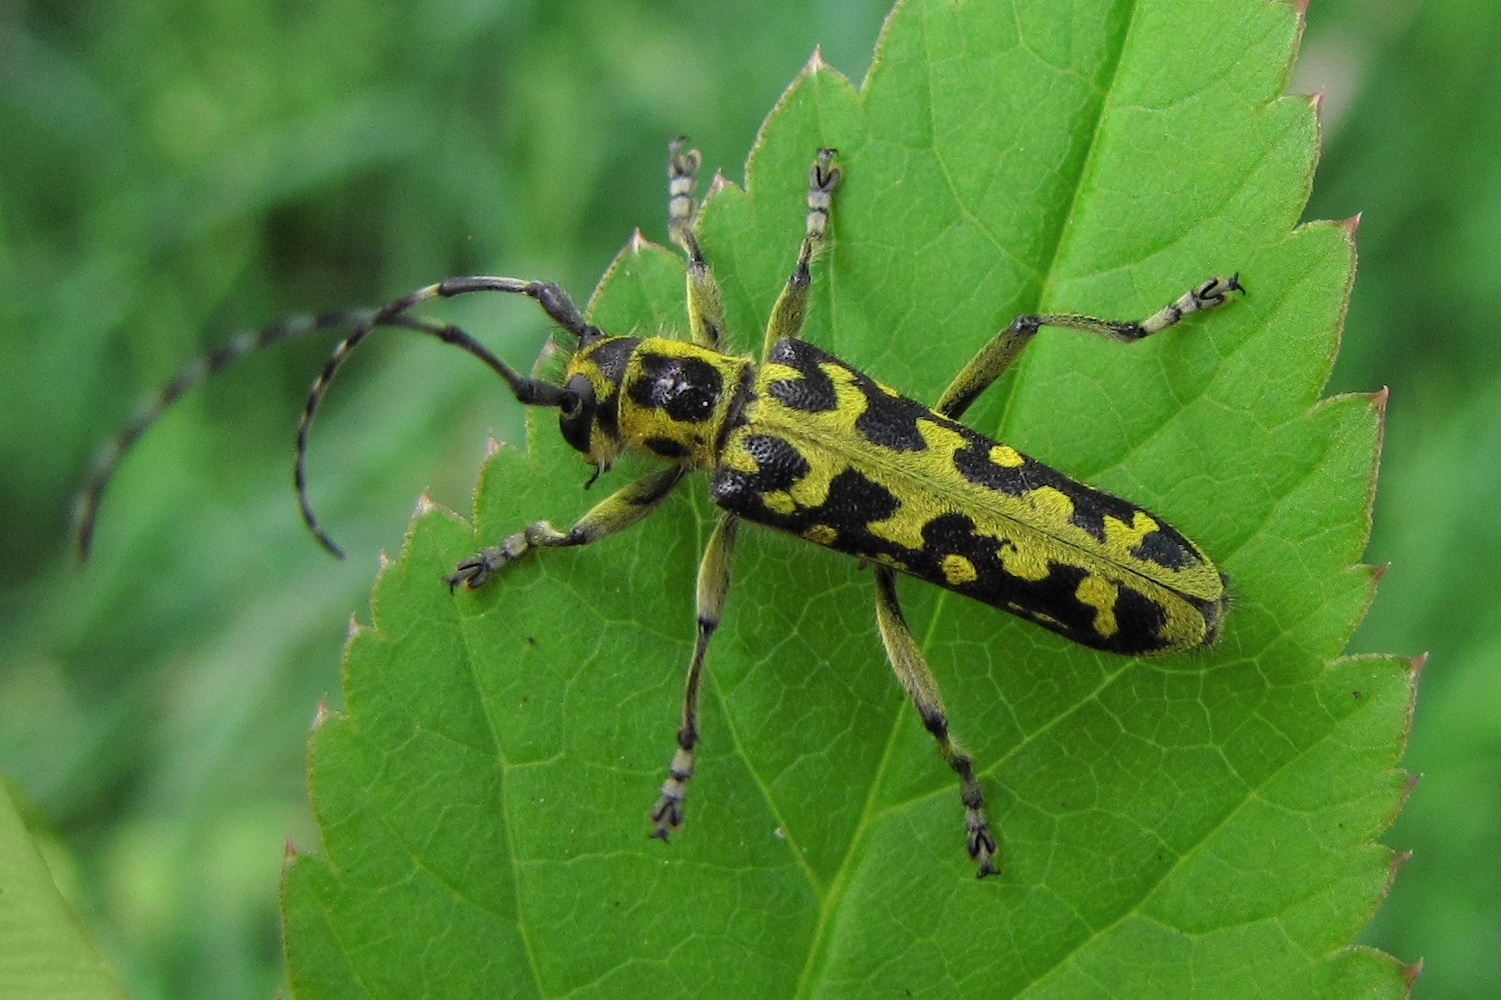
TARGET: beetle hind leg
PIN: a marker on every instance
(912, 670)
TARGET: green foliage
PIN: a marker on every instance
(46, 953)
(178, 169)
(1196, 825)
(1414, 144)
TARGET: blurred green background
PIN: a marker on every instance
(175, 171)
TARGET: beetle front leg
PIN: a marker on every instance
(613, 514)
(791, 307)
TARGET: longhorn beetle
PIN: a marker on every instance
(804, 443)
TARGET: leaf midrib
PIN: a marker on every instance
(829, 904)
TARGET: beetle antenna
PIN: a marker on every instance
(528, 392)
(531, 392)
(107, 459)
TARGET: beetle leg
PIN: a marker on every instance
(705, 309)
(713, 585)
(792, 305)
(912, 670)
(613, 514)
(996, 356)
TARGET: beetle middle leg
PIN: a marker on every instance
(713, 585)
(995, 357)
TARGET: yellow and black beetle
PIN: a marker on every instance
(802, 442)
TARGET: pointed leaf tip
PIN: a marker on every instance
(1351, 224)
(321, 715)
(493, 444)
(638, 241)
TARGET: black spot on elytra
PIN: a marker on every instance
(779, 463)
(778, 466)
(814, 391)
(890, 421)
(853, 502)
(1165, 548)
(974, 463)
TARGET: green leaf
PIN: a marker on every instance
(43, 952)
(1195, 825)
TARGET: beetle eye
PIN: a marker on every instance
(576, 412)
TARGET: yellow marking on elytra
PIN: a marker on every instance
(813, 489)
(1100, 594)
(740, 460)
(1006, 456)
(850, 401)
(1028, 562)
(958, 570)
(1124, 537)
(1051, 506)
(903, 527)
(779, 502)
(942, 441)
(821, 534)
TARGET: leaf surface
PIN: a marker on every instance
(1194, 825)
(46, 954)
